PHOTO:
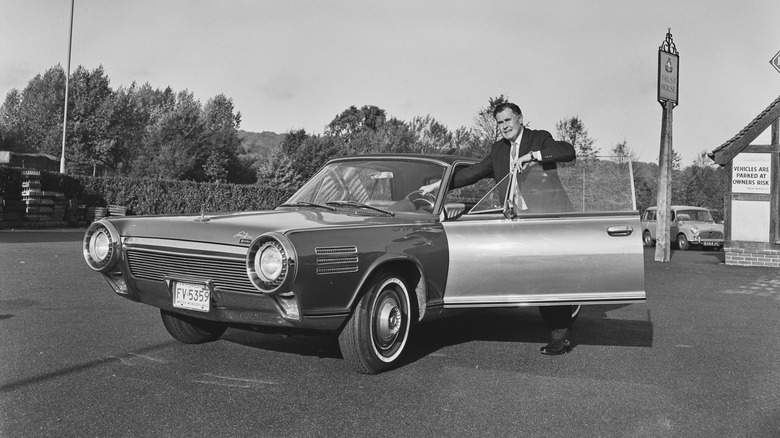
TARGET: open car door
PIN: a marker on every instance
(592, 255)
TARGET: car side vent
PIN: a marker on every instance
(336, 259)
(336, 250)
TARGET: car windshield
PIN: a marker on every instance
(374, 184)
(694, 215)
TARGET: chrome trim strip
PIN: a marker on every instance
(545, 298)
(164, 245)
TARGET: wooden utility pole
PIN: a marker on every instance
(668, 78)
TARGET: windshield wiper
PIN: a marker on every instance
(307, 204)
(360, 205)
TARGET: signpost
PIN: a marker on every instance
(668, 97)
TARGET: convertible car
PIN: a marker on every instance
(360, 252)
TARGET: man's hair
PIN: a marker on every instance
(502, 106)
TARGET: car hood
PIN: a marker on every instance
(239, 228)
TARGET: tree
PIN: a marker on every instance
(127, 128)
(395, 136)
(622, 153)
(353, 120)
(485, 127)
(32, 118)
(430, 136)
(646, 185)
(173, 142)
(703, 185)
(90, 110)
(572, 130)
(144, 107)
(11, 136)
(218, 159)
(296, 159)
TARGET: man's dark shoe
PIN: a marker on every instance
(558, 346)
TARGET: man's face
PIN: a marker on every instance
(509, 124)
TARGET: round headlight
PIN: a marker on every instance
(101, 246)
(270, 263)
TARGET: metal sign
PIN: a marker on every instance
(775, 61)
(668, 71)
(751, 174)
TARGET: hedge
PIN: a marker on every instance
(150, 196)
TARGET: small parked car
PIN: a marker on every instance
(688, 226)
(361, 253)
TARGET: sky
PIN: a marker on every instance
(296, 64)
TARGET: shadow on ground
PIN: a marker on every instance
(518, 325)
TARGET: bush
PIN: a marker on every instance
(150, 196)
(147, 196)
(10, 183)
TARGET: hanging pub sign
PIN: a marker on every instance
(668, 72)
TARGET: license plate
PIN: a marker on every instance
(711, 243)
(191, 296)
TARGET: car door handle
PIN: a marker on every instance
(620, 231)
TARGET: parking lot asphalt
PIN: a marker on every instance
(698, 359)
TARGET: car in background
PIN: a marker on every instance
(688, 226)
(358, 251)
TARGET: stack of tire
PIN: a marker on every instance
(59, 205)
(96, 213)
(70, 210)
(38, 208)
(117, 210)
(81, 212)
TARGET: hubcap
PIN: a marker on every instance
(388, 322)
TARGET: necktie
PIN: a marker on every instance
(515, 202)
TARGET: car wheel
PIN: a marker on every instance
(682, 242)
(191, 330)
(647, 239)
(376, 333)
(575, 312)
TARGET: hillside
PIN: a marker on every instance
(259, 142)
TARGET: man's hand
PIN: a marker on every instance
(528, 159)
(430, 187)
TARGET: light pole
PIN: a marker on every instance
(67, 83)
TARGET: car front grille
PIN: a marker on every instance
(710, 235)
(225, 273)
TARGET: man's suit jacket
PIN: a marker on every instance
(539, 183)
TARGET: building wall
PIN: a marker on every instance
(752, 257)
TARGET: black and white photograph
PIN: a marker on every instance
(367, 219)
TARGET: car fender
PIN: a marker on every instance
(408, 267)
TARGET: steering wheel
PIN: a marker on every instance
(422, 200)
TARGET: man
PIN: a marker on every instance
(531, 156)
